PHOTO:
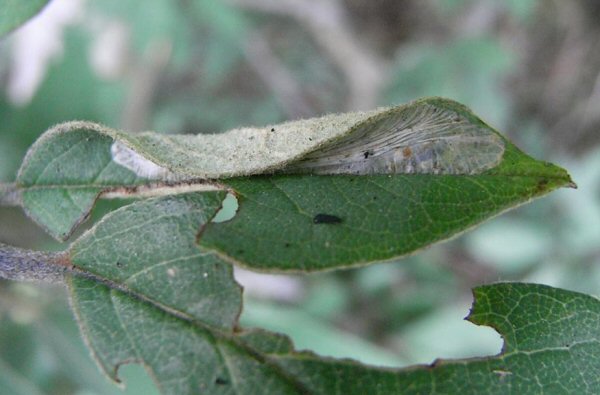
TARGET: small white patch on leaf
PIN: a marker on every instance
(142, 167)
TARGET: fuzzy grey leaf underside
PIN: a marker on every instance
(425, 137)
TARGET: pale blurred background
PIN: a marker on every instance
(531, 68)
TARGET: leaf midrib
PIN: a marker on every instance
(214, 335)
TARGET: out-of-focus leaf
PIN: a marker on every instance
(309, 332)
(509, 245)
(14, 13)
(442, 334)
(468, 70)
(521, 8)
(580, 230)
(152, 21)
(20, 126)
(13, 383)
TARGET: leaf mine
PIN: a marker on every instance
(142, 167)
(424, 139)
(429, 136)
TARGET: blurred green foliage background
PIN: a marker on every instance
(530, 68)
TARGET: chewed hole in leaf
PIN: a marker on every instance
(423, 139)
(229, 208)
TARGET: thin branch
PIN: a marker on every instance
(327, 21)
(26, 265)
(10, 195)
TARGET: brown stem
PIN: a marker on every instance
(26, 265)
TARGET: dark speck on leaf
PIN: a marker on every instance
(221, 381)
(366, 154)
(119, 264)
(287, 245)
(272, 129)
(326, 219)
(310, 139)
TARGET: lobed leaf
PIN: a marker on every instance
(551, 346)
(149, 248)
(144, 292)
(551, 337)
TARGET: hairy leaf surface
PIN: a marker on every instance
(550, 337)
(314, 194)
(154, 320)
(143, 291)
(149, 248)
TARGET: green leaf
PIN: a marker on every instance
(551, 346)
(551, 337)
(314, 194)
(14, 13)
(382, 217)
(149, 248)
(61, 178)
(12, 382)
(144, 292)
(183, 357)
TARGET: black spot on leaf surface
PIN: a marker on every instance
(326, 219)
